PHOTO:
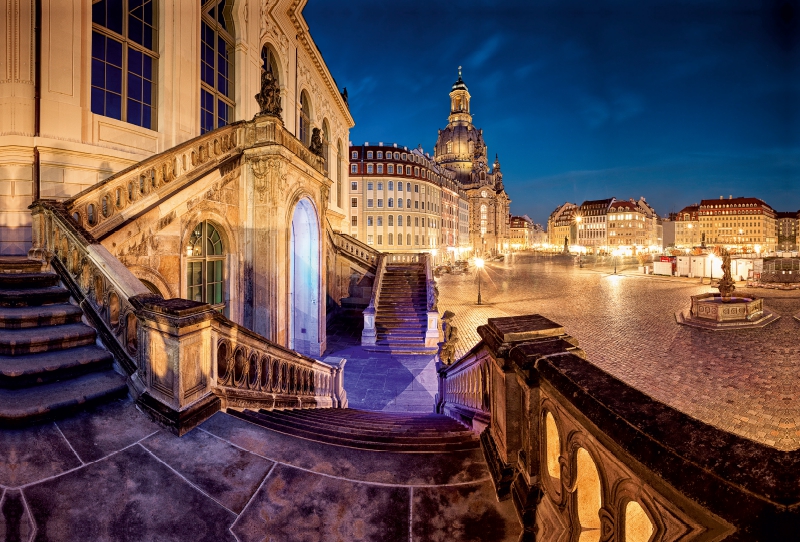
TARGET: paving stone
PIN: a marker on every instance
(467, 513)
(224, 472)
(302, 506)
(15, 521)
(133, 496)
(34, 453)
(105, 429)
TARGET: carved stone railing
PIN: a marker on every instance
(361, 252)
(583, 454)
(103, 287)
(269, 130)
(404, 257)
(253, 372)
(432, 298)
(107, 205)
(369, 333)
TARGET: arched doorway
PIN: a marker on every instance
(304, 280)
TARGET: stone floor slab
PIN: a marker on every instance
(15, 521)
(300, 506)
(107, 428)
(465, 513)
(350, 463)
(32, 454)
(224, 472)
(127, 496)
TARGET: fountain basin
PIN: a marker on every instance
(712, 311)
(731, 309)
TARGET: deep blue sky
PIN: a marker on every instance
(675, 101)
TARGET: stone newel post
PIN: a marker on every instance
(368, 335)
(175, 357)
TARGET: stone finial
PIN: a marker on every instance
(269, 97)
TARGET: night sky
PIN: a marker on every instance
(675, 101)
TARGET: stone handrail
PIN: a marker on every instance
(105, 289)
(369, 334)
(404, 257)
(574, 447)
(432, 295)
(251, 372)
(268, 129)
(361, 252)
(107, 205)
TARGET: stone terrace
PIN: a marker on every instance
(745, 382)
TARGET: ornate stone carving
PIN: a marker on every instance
(269, 177)
(447, 348)
(269, 97)
(316, 145)
(726, 286)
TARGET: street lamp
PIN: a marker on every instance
(479, 265)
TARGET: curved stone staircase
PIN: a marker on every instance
(50, 363)
(368, 430)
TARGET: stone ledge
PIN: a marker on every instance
(751, 485)
(685, 318)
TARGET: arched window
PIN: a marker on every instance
(391, 220)
(269, 63)
(391, 185)
(339, 173)
(399, 220)
(205, 266)
(483, 219)
(216, 64)
(124, 55)
(305, 119)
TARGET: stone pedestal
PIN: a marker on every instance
(175, 359)
(368, 335)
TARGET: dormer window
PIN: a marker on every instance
(369, 155)
(354, 154)
(380, 155)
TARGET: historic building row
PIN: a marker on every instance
(458, 204)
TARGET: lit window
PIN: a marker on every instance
(380, 239)
(354, 221)
(354, 202)
(216, 65)
(204, 266)
(390, 239)
(369, 240)
(124, 61)
(399, 238)
(391, 220)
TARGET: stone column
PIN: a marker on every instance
(175, 352)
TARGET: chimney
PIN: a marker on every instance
(721, 197)
(730, 196)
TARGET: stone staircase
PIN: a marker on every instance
(50, 363)
(368, 430)
(401, 315)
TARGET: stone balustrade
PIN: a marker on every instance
(585, 456)
(109, 204)
(252, 372)
(184, 360)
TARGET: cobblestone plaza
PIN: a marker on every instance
(744, 382)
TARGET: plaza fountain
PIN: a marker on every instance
(723, 310)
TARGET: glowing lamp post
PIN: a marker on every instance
(479, 266)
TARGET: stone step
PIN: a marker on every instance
(353, 441)
(380, 420)
(16, 342)
(32, 369)
(23, 281)
(387, 434)
(19, 264)
(57, 399)
(33, 296)
(43, 315)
